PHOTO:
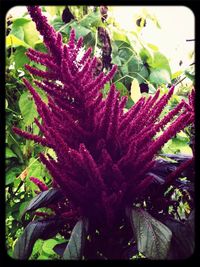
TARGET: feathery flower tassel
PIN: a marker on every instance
(41, 73)
(175, 127)
(129, 115)
(105, 120)
(86, 56)
(143, 185)
(113, 126)
(40, 184)
(169, 179)
(71, 42)
(49, 34)
(170, 115)
(155, 113)
(92, 168)
(103, 154)
(33, 137)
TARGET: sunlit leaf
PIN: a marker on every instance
(31, 35)
(48, 246)
(54, 10)
(135, 90)
(13, 41)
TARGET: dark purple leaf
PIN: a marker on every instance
(75, 247)
(152, 237)
(42, 228)
(164, 167)
(43, 199)
(183, 239)
(60, 248)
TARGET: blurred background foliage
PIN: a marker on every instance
(142, 68)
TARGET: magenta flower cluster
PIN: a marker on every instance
(103, 154)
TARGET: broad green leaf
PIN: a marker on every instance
(10, 153)
(60, 26)
(54, 10)
(18, 32)
(153, 237)
(126, 54)
(122, 89)
(146, 55)
(159, 77)
(17, 150)
(141, 74)
(91, 19)
(17, 27)
(48, 246)
(23, 205)
(39, 46)
(116, 60)
(27, 108)
(119, 35)
(190, 75)
(135, 90)
(13, 41)
(176, 145)
(12, 174)
(31, 35)
(37, 246)
(20, 57)
(160, 62)
(80, 30)
(42, 199)
(75, 247)
(18, 22)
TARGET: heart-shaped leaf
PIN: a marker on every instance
(153, 237)
(43, 199)
(75, 247)
(42, 228)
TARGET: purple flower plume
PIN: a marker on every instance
(103, 154)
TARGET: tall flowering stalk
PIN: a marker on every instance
(103, 155)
